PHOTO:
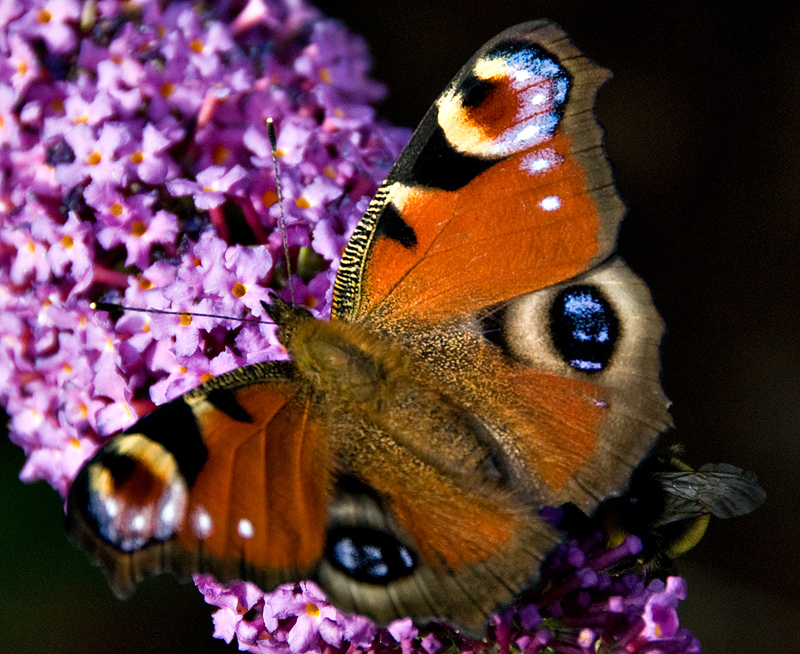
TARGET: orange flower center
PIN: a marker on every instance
(219, 153)
(269, 198)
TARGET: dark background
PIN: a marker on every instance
(702, 129)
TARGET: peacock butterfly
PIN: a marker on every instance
(486, 356)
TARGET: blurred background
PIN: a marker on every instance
(702, 123)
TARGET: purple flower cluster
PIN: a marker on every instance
(579, 606)
(135, 166)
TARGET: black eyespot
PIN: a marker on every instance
(474, 91)
(174, 426)
(120, 466)
(584, 328)
(369, 555)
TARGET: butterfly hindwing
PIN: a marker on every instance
(586, 377)
(467, 544)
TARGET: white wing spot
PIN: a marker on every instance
(202, 524)
(112, 507)
(245, 528)
(521, 75)
(550, 203)
(139, 522)
(169, 512)
(528, 132)
(540, 160)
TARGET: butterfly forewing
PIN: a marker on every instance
(502, 190)
(252, 479)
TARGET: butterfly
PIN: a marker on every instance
(486, 356)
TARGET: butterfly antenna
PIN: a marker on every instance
(110, 306)
(273, 143)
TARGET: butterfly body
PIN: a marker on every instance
(486, 357)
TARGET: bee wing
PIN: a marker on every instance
(719, 489)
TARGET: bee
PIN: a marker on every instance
(668, 505)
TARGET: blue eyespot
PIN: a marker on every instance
(584, 327)
(368, 555)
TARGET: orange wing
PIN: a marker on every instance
(503, 189)
(231, 478)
